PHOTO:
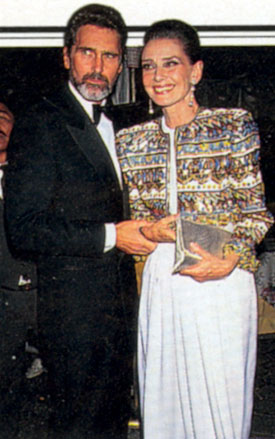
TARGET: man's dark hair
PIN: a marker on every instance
(97, 15)
(176, 29)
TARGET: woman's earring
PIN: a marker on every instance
(192, 93)
(151, 108)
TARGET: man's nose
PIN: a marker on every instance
(98, 63)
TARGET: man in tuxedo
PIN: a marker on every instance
(65, 208)
(17, 307)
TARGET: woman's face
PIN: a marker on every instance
(167, 72)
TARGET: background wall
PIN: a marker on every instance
(230, 22)
(203, 12)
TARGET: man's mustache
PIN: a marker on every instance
(96, 76)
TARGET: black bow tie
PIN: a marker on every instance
(97, 110)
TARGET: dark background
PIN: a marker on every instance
(233, 77)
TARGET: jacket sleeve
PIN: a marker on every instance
(33, 225)
(252, 220)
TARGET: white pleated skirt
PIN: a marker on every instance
(196, 352)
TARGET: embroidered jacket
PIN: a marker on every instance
(218, 177)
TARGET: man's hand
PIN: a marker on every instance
(130, 240)
(210, 267)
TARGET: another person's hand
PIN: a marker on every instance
(130, 240)
(210, 267)
(163, 230)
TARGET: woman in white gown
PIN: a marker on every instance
(197, 328)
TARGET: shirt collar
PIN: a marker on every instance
(87, 105)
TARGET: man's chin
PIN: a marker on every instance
(92, 93)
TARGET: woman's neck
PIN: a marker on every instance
(180, 114)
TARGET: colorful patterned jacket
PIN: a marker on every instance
(218, 175)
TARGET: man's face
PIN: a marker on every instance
(6, 125)
(94, 61)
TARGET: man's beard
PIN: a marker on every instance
(92, 92)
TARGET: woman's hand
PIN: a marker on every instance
(210, 267)
(163, 230)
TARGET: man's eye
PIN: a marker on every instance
(110, 55)
(87, 52)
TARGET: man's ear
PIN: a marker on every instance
(66, 58)
(120, 67)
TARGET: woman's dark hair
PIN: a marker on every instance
(97, 15)
(176, 29)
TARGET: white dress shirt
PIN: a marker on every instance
(106, 131)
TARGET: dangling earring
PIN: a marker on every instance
(150, 108)
(192, 93)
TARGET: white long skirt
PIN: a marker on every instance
(196, 353)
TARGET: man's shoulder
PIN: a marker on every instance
(53, 103)
(41, 110)
(60, 99)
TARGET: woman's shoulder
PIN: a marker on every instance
(225, 114)
(236, 122)
(144, 128)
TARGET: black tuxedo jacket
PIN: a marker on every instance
(61, 188)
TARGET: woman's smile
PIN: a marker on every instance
(163, 89)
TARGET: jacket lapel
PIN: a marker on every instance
(85, 135)
(94, 149)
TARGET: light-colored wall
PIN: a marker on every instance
(142, 12)
(16, 13)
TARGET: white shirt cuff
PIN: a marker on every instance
(110, 237)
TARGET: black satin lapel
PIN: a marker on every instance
(93, 147)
